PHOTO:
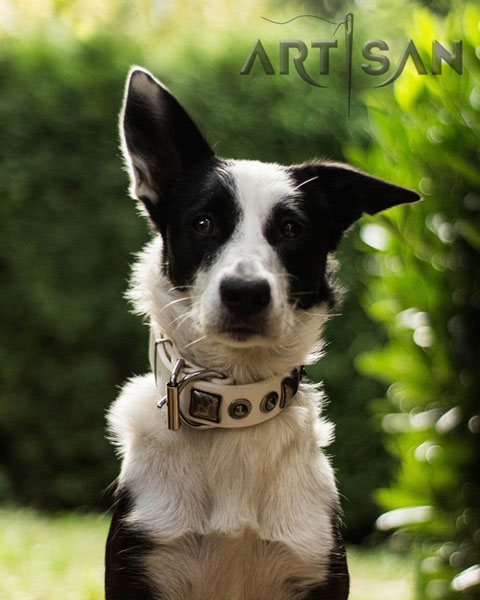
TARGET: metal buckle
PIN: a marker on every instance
(155, 356)
(174, 387)
(173, 395)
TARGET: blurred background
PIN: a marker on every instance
(402, 368)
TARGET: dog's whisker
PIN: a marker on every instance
(305, 182)
(181, 319)
(203, 337)
(173, 321)
(307, 293)
(180, 288)
(183, 299)
(293, 329)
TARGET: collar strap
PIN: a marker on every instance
(203, 398)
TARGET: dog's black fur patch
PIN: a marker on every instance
(303, 257)
(126, 547)
(340, 195)
(206, 191)
(162, 134)
(338, 582)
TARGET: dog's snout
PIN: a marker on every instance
(245, 297)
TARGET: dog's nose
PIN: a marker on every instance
(245, 297)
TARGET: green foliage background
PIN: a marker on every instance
(69, 231)
(402, 362)
(425, 288)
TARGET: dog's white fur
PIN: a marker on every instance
(263, 495)
(229, 486)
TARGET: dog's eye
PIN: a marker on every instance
(290, 229)
(203, 225)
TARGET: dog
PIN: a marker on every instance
(225, 491)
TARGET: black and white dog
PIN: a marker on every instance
(226, 493)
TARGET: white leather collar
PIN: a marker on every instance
(203, 398)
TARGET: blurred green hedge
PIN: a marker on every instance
(68, 230)
(67, 235)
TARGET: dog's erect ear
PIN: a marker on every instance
(344, 194)
(160, 141)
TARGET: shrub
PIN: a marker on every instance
(67, 230)
(425, 289)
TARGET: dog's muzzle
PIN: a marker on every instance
(204, 398)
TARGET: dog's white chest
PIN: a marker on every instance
(270, 479)
(217, 566)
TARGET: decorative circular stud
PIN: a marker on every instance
(289, 387)
(239, 409)
(269, 402)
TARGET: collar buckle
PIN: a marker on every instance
(173, 388)
(173, 395)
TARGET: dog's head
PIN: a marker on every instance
(240, 268)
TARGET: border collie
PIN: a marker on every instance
(225, 491)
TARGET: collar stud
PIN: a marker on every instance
(239, 409)
(269, 402)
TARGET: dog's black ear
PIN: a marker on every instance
(160, 141)
(344, 194)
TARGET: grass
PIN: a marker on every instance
(377, 574)
(44, 557)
